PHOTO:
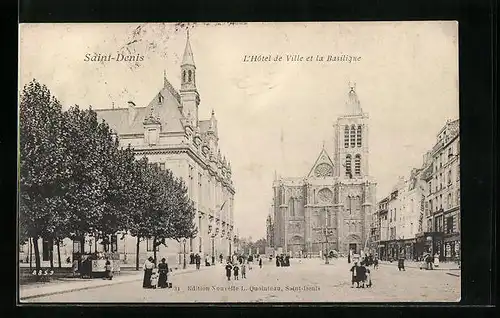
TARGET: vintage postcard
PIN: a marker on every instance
(239, 162)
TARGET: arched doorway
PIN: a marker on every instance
(352, 242)
(296, 245)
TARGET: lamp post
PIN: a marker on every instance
(326, 236)
(184, 263)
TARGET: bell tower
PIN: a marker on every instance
(190, 99)
(351, 140)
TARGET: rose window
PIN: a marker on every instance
(325, 195)
(324, 170)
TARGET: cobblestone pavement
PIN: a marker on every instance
(308, 281)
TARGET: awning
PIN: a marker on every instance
(451, 238)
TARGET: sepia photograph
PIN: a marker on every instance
(239, 162)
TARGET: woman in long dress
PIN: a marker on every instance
(436, 260)
(148, 270)
(163, 270)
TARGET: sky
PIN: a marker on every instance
(406, 80)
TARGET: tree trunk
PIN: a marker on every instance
(30, 242)
(37, 256)
(95, 242)
(154, 249)
(137, 254)
(58, 253)
(51, 253)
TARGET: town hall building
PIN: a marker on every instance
(169, 132)
(331, 207)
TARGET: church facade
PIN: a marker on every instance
(331, 207)
(170, 134)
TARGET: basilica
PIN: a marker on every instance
(331, 208)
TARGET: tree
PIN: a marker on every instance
(164, 210)
(42, 163)
(138, 221)
(84, 192)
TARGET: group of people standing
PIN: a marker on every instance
(196, 259)
(155, 276)
(238, 262)
(282, 260)
(429, 262)
(360, 274)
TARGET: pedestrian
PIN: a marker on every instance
(154, 279)
(368, 278)
(361, 275)
(243, 270)
(428, 260)
(401, 262)
(197, 260)
(229, 267)
(260, 262)
(235, 271)
(354, 273)
(436, 260)
(108, 270)
(74, 267)
(221, 257)
(163, 271)
(148, 271)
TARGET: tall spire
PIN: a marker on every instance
(188, 59)
(353, 104)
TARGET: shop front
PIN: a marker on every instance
(430, 242)
(408, 246)
(451, 247)
(382, 251)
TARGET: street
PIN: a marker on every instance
(306, 280)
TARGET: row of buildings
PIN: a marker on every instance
(422, 212)
(330, 207)
(170, 134)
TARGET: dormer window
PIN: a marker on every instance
(160, 99)
(152, 136)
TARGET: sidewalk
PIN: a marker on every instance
(448, 266)
(75, 284)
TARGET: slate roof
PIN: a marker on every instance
(168, 112)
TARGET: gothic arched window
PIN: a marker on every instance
(348, 171)
(359, 135)
(346, 137)
(357, 204)
(189, 75)
(357, 165)
(184, 76)
(291, 206)
(353, 136)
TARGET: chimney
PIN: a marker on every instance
(131, 112)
